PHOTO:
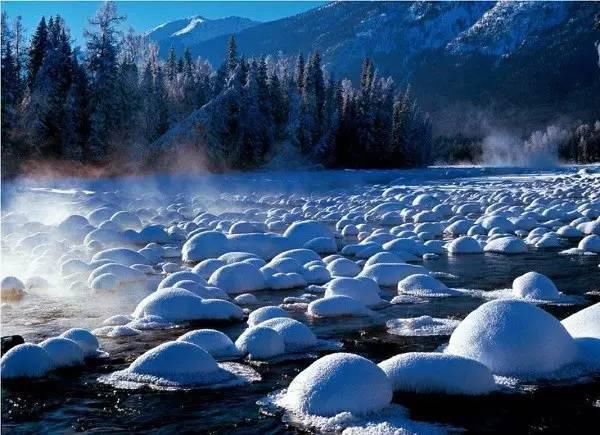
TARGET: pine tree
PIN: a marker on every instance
(77, 118)
(232, 56)
(299, 73)
(102, 48)
(171, 66)
(37, 50)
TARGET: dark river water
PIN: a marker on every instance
(73, 400)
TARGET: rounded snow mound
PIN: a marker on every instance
(364, 291)
(388, 274)
(207, 244)
(124, 256)
(533, 285)
(584, 323)
(424, 286)
(304, 231)
(218, 344)
(266, 313)
(340, 382)
(464, 245)
(63, 352)
(258, 342)
(238, 278)
(506, 245)
(337, 306)
(86, 341)
(343, 267)
(179, 305)
(513, 338)
(425, 372)
(296, 335)
(178, 364)
(174, 278)
(26, 360)
(590, 243)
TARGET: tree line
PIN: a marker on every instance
(116, 97)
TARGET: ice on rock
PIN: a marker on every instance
(337, 383)
(216, 343)
(296, 335)
(424, 286)
(178, 305)
(63, 352)
(204, 245)
(584, 323)
(238, 278)
(389, 274)
(115, 331)
(464, 245)
(304, 231)
(429, 372)
(421, 326)
(590, 243)
(506, 245)
(86, 341)
(342, 267)
(513, 338)
(25, 360)
(11, 289)
(533, 285)
(183, 275)
(336, 306)
(246, 299)
(119, 319)
(178, 364)
(260, 343)
(365, 291)
(265, 313)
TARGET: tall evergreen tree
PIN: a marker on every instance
(37, 50)
(232, 56)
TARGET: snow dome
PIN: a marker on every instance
(506, 245)
(63, 352)
(265, 313)
(388, 274)
(207, 244)
(429, 372)
(343, 267)
(363, 290)
(183, 275)
(304, 231)
(214, 342)
(584, 323)
(238, 278)
(336, 306)
(533, 285)
(590, 243)
(513, 337)
(176, 364)
(296, 335)
(25, 361)
(86, 341)
(258, 342)
(340, 382)
(464, 245)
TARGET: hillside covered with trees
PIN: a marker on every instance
(116, 101)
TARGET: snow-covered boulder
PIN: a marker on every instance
(11, 289)
(584, 323)
(207, 267)
(86, 341)
(25, 360)
(336, 383)
(214, 342)
(506, 245)
(364, 291)
(304, 231)
(238, 278)
(533, 285)
(515, 338)
(183, 275)
(389, 274)
(336, 306)
(429, 372)
(342, 267)
(124, 256)
(207, 244)
(296, 335)
(265, 313)
(63, 352)
(464, 245)
(590, 243)
(260, 343)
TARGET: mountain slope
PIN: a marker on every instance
(524, 62)
(190, 31)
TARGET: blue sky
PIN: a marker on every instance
(144, 15)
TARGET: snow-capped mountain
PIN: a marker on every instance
(189, 31)
(538, 57)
